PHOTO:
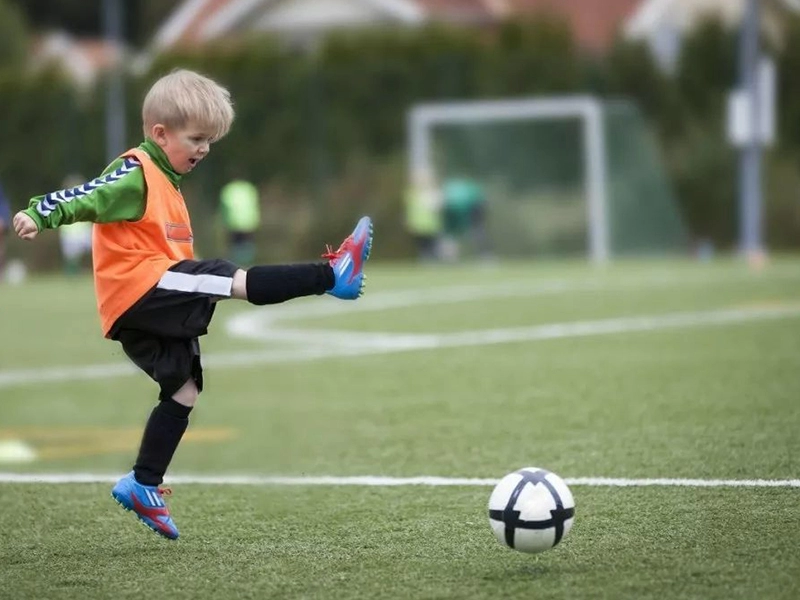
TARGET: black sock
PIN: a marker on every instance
(273, 284)
(161, 437)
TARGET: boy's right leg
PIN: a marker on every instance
(348, 261)
(342, 276)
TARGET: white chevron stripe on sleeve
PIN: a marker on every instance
(48, 204)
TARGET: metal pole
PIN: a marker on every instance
(595, 160)
(750, 156)
(115, 94)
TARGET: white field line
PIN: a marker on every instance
(313, 345)
(377, 481)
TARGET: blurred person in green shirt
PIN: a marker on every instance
(241, 215)
(465, 215)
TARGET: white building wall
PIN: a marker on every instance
(316, 14)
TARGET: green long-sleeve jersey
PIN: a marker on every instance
(118, 194)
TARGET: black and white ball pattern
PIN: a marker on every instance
(531, 510)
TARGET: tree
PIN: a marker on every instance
(707, 68)
(789, 87)
(13, 36)
(85, 18)
(632, 72)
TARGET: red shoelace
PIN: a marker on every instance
(329, 254)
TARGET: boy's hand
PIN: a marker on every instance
(25, 226)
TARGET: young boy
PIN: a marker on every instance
(152, 296)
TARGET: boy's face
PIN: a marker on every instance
(185, 147)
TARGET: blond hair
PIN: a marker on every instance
(184, 97)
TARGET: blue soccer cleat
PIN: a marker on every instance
(146, 502)
(348, 261)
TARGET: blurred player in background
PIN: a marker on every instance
(465, 216)
(5, 226)
(423, 203)
(74, 239)
(241, 215)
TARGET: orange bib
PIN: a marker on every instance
(131, 256)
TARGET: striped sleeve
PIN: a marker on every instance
(117, 195)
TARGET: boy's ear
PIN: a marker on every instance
(159, 134)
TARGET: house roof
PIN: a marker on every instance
(685, 14)
(187, 21)
(594, 22)
(462, 11)
(82, 58)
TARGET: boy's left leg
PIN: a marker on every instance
(160, 335)
(138, 490)
(169, 362)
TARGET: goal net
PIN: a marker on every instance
(562, 175)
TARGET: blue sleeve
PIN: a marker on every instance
(5, 209)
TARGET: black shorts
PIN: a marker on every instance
(159, 333)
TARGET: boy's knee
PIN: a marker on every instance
(187, 394)
(239, 286)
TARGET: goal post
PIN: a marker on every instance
(593, 160)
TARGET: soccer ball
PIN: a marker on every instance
(531, 510)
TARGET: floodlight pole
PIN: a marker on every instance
(115, 94)
(750, 228)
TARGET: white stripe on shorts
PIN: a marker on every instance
(213, 285)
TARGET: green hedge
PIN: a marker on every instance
(323, 134)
